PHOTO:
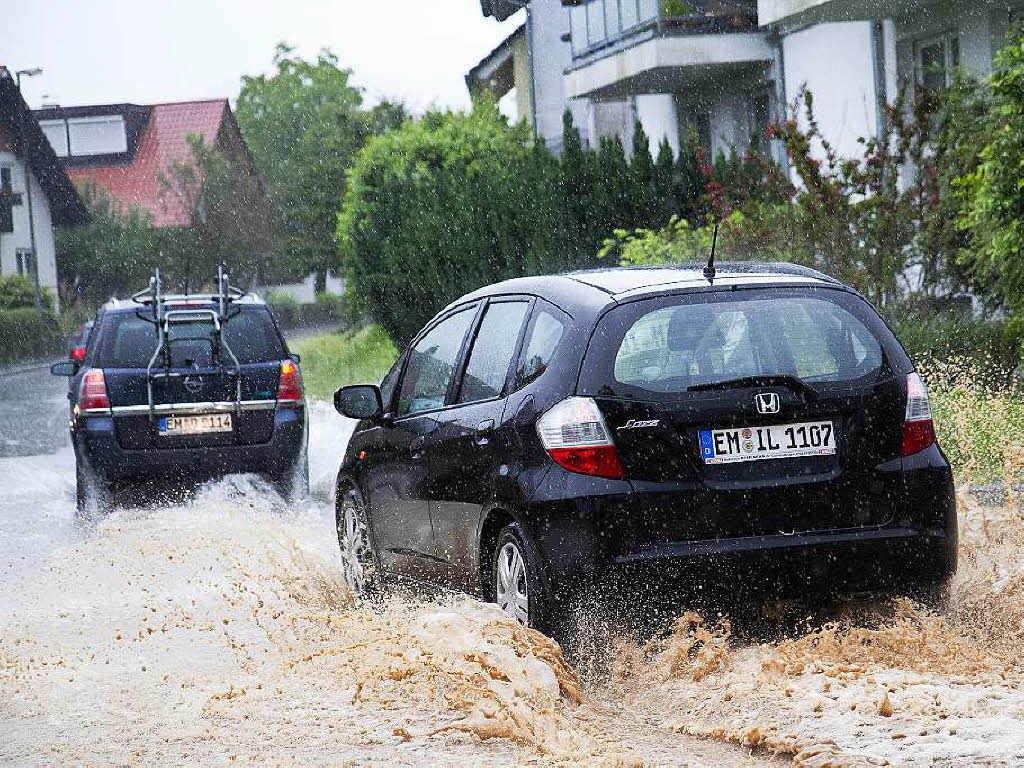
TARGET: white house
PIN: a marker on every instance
(35, 192)
(725, 69)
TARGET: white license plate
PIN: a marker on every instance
(724, 446)
(195, 425)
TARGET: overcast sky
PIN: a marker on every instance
(146, 51)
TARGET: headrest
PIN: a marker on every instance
(687, 326)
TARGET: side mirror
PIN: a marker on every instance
(296, 357)
(361, 401)
(64, 368)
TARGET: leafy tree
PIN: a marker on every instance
(994, 214)
(304, 125)
(111, 255)
(232, 224)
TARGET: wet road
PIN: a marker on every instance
(36, 475)
(217, 629)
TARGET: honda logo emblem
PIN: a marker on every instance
(767, 402)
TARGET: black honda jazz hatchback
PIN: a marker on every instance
(544, 432)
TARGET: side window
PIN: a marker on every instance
(492, 351)
(541, 342)
(432, 364)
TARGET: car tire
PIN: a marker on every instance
(361, 568)
(934, 597)
(92, 494)
(516, 584)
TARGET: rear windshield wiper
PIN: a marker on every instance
(769, 380)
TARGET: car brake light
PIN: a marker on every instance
(576, 437)
(92, 395)
(78, 353)
(918, 427)
(289, 386)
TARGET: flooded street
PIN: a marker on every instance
(219, 630)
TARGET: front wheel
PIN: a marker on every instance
(360, 565)
(516, 583)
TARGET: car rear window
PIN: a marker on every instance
(668, 345)
(130, 340)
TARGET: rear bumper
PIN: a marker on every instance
(585, 535)
(96, 442)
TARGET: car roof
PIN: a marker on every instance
(617, 281)
(591, 290)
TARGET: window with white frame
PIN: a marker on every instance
(26, 262)
(936, 60)
(103, 135)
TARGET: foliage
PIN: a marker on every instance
(232, 222)
(280, 298)
(27, 334)
(18, 291)
(960, 134)
(994, 210)
(111, 255)
(303, 124)
(678, 242)
(852, 217)
(991, 350)
(335, 360)
(444, 205)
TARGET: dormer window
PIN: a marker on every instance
(87, 136)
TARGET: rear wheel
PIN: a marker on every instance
(516, 583)
(294, 485)
(92, 494)
(360, 564)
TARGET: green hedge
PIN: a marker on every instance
(991, 349)
(26, 334)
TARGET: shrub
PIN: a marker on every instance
(18, 291)
(989, 350)
(27, 334)
(445, 205)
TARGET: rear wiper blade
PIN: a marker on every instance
(769, 380)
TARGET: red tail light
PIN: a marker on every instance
(289, 387)
(92, 395)
(918, 427)
(576, 437)
(78, 353)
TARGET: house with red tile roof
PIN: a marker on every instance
(125, 149)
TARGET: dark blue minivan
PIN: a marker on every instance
(185, 387)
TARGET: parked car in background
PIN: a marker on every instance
(545, 432)
(185, 387)
(80, 340)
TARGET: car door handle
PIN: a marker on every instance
(418, 447)
(483, 430)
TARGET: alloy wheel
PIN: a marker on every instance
(356, 554)
(510, 584)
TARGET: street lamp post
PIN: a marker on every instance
(32, 72)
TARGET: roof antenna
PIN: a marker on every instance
(709, 270)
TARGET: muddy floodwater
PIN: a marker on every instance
(216, 628)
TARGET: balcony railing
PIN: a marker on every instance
(602, 24)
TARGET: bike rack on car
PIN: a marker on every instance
(163, 318)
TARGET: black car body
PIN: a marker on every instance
(205, 389)
(638, 419)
